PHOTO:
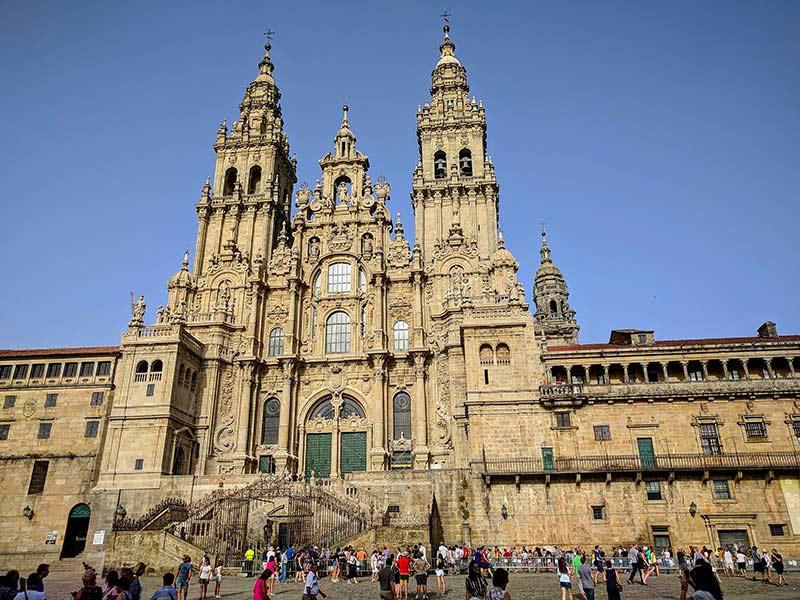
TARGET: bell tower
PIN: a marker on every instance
(247, 205)
(554, 315)
(454, 190)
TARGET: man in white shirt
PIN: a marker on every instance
(312, 583)
(422, 551)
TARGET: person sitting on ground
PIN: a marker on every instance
(167, 591)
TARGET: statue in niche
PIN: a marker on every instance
(313, 249)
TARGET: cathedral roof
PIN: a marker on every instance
(663, 344)
(47, 352)
(448, 50)
(546, 266)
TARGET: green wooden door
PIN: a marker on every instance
(318, 455)
(647, 455)
(353, 452)
(548, 461)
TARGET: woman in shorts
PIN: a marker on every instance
(218, 573)
(439, 570)
(564, 580)
(205, 577)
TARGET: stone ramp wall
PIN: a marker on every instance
(159, 550)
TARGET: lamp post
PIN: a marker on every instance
(693, 509)
(27, 512)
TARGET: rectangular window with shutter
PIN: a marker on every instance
(54, 370)
(103, 368)
(97, 398)
(87, 369)
(44, 431)
(91, 429)
(50, 400)
(4, 429)
(38, 476)
(37, 371)
(70, 369)
(5, 371)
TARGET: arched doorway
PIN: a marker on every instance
(76, 531)
(336, 438)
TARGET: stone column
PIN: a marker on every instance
(605, 375)
(378, 450)
(685, 365)
(335, 447)
(644, 371)
(625, 377)
(725, 372)
(200, 245)
(704, 364)
(419, 413)
(745, 369)
(792, 371)
(768, 362)
(284, 437)
(245, 404)
(665, 370)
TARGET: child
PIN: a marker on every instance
(499, 583)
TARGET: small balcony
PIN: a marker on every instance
(560, 394)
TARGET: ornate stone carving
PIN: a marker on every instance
(340, 237)
(443, 432)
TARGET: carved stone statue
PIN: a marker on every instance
(341, 193)
(138, 310)
(313, 249)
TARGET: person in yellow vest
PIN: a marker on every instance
(249, 557)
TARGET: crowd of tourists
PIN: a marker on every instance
(487, 572)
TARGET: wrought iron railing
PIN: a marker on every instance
(561, 390)
(166, 511)
(632, 463)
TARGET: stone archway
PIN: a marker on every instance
(76, 531)
(336, 437)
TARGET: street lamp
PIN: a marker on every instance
(693, 508)
(27, 512)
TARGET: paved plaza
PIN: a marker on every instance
(523, 586)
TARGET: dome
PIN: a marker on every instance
(502, 257)
(182, 277)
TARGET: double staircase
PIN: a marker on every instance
(316, 513)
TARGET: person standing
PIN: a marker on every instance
(586, 578)
(421, 567)
(475, 582)
(440, 566)
(633, 557)
(184, 576)
(136, 585)
(28, 589)
(249, 557)
(613, 584)
(499, 584)
(42, 571)
(167, 591)
(9, 585)
(404, 568)
(261, 586)
(385, 579)
(312, 584)
(218, 573)
(90, 589)
(205, 576)
(352, 567)
(599, 563)
(777, 564)
(741, 563)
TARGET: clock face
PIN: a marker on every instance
(29, 408)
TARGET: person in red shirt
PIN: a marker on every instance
(404, 567)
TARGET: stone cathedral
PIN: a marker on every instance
(309, 354)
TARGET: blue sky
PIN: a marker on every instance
(659, 141)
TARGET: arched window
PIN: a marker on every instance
(400, 331)
(486, 355)
(553, 308)
(440, 165)
(254, 181)
(402, 416)
(362, 280)
(465, 162)
(339, 278)
(230, 181)
(337, 333)
(276, 341)
(503, 355)
(157, 366)
(272, 417)
(141, 366)
(316, 287)
(180, 375)
(179, 463)
(193, 387)
(325, 410)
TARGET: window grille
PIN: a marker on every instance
(337, 333)
(339, 278)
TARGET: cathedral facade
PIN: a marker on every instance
(307, 338)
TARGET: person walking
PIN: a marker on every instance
(261, 586)
(312, 584)
(633, 557)
(613, 583)
(564, 580)
(135, 589)
(777, 564)
(352, 568)
(586, 578)
(475, 582)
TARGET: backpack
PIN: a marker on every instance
(92, 593)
